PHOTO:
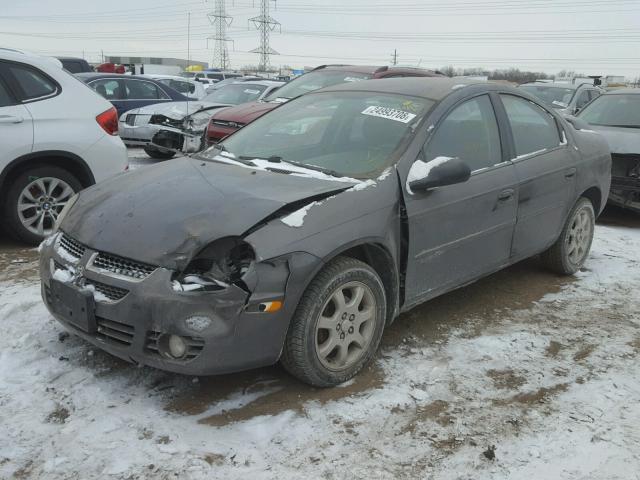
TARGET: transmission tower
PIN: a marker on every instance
(220, 20)
(265, 24)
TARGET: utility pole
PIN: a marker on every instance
(265, 24)
(394, 57)
(220, 20)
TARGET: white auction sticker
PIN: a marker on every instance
(389, 113)
(253, 92)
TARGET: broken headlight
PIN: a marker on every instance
(224, 262)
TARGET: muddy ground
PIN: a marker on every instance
(522, 374)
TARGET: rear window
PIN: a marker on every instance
(314, 81)
(557, 97)
(34, 84)
(73, 66)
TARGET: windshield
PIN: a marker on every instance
(557, 97)
(314, 81)
(613, 110)
(235, 93)
(352, 134)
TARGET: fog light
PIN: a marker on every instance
(177, 346)
(197, 323)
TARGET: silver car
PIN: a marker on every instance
(567, 98)
(616, 116)
(138, 126)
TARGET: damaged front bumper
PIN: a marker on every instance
(132, 310)
(625, 181)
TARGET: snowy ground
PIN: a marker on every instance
(545, 369)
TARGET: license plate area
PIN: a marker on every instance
(75, 306)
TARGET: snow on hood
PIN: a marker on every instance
(164, 214)
(621, 140)
(176, 110)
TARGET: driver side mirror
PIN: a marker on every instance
(439, 172)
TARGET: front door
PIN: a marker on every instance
(546, 171)
(460, 232)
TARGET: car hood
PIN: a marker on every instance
(246, 112)
(621, 140)
(165, 214)
(175, 110)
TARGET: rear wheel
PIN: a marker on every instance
(34, 201)
(570, 251)
(158, 154)
(338, 324)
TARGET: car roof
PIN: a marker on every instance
(156, 76)
(95, 75)
(77, 59)
(433, 88)
(569, 86)
(29, 58)
(266, 83)
(623, 91)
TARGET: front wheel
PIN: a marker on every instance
(338, 324)
(570, 251)
(158, 154)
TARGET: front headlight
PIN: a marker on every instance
(63, 213)
(225, 261)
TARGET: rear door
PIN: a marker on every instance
(16, 125)
(546, 172)
(140, 93)
(460, 232)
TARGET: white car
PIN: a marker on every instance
(139, 125)
(186, 86)
(57, 135)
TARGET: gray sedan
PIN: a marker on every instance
(616, 116)
(304, 234)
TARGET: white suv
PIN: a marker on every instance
(57, 136)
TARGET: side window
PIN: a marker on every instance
(534, 129)
(140, 90)
(182, 87)
(108, 88)
(33, 83)
(470, 133)
(5, 98)
(215, 76)
(583, 99)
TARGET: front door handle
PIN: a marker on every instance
(570, 173)
(505, 195)
(10, 119)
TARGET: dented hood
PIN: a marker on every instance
(165, 214)
(176, 110)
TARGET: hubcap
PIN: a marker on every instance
(579, 236)
(40, 203)
(345, 326)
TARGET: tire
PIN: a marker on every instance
(158, 154)
(308, 353)
(571, 249)
(36, 182)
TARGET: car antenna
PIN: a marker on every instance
(188, 51)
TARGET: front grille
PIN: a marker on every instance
(112, 293)
(122, 266)
(194, 345)
(114, 332)
(72, 247)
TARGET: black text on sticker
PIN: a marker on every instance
(389, 113)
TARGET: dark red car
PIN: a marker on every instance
(228, 120)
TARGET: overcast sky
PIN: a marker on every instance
(596, 37)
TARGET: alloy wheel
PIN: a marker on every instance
(345, 326)
(40, 203)
(579, 236)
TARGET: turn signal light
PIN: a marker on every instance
(270, 307)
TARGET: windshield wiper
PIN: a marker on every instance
(221, 148)
(276, 159)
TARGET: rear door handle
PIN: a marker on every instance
(10, 119)
(570, 173)
(505, 195)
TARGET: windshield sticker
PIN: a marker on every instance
(253, 92)
(352, 79)
(389, 113)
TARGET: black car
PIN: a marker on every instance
(301, 236)
(75, 65)
(126, 92)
